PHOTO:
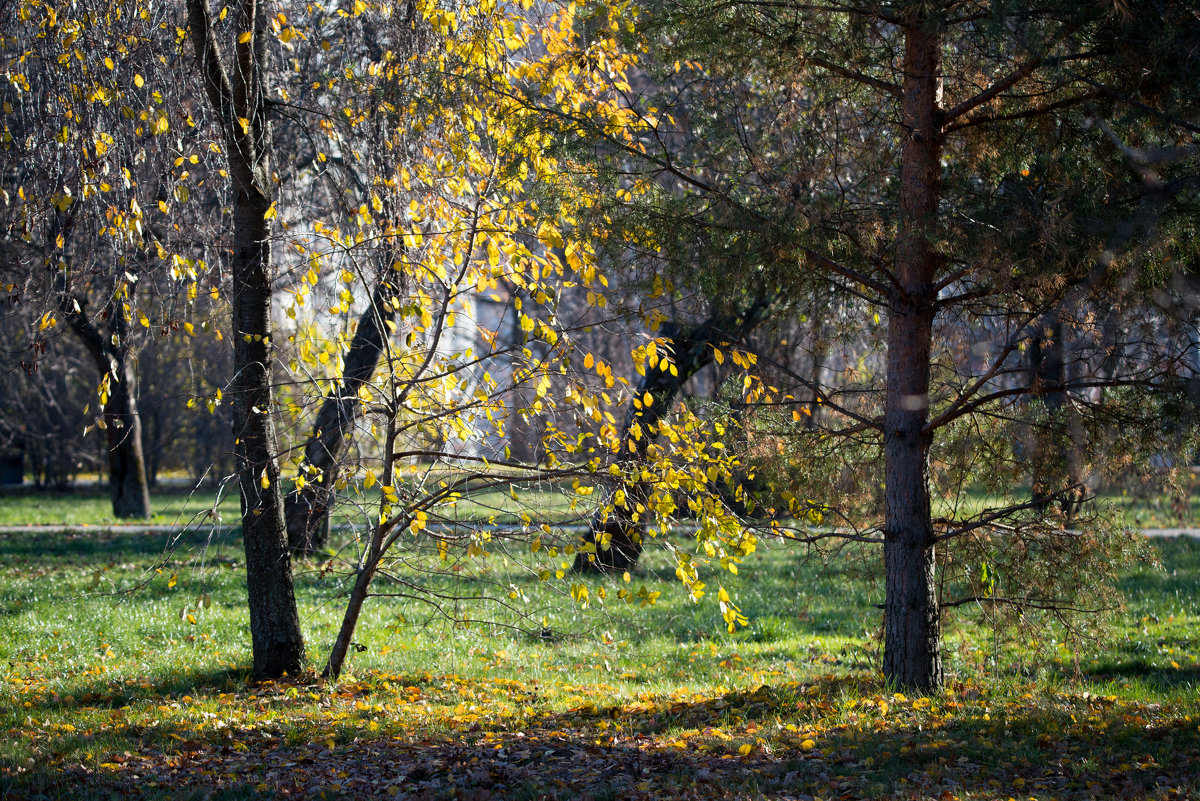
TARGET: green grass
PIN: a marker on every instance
(181, 507)
(94, 507)
(106, 687)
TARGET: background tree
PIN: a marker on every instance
(92, 164)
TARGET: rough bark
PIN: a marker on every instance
(623, 526)
(912, 623)
(307, 509)
(239, 98)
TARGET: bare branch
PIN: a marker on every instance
(995, 90)
(854, 75)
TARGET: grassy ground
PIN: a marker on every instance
(109, 689)
(180, 506)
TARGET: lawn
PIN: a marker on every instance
(123, 662)
(182, 506)
(176, 506)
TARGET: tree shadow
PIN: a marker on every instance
(775, 742)
(1151, 675)
(116, 694)
(99, 542)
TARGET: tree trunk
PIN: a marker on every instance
(240, 101)
(122, 425)
(126, 459)
(307, 509)
(912, 622)
(623, 526)
(274, 621)
(367, 568)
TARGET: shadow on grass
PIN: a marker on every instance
(117, 694)
(1150, 675)
(104, 543)
(1065, 747)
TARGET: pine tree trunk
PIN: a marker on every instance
(912, 622)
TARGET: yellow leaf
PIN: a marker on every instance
(549, 236)
(244, 37)
(270, 215)
(745, 749)
(264, 481)
(369, 481)
(588, 361)
(108, 62)
(139, 81)
(143, 319)
(809, 743)
(191, 619)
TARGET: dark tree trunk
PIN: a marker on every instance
(274, 622)
(912, 623)
(122, 425)
(623, 526)
(239, 98)
(126, 459)
(307, 509)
